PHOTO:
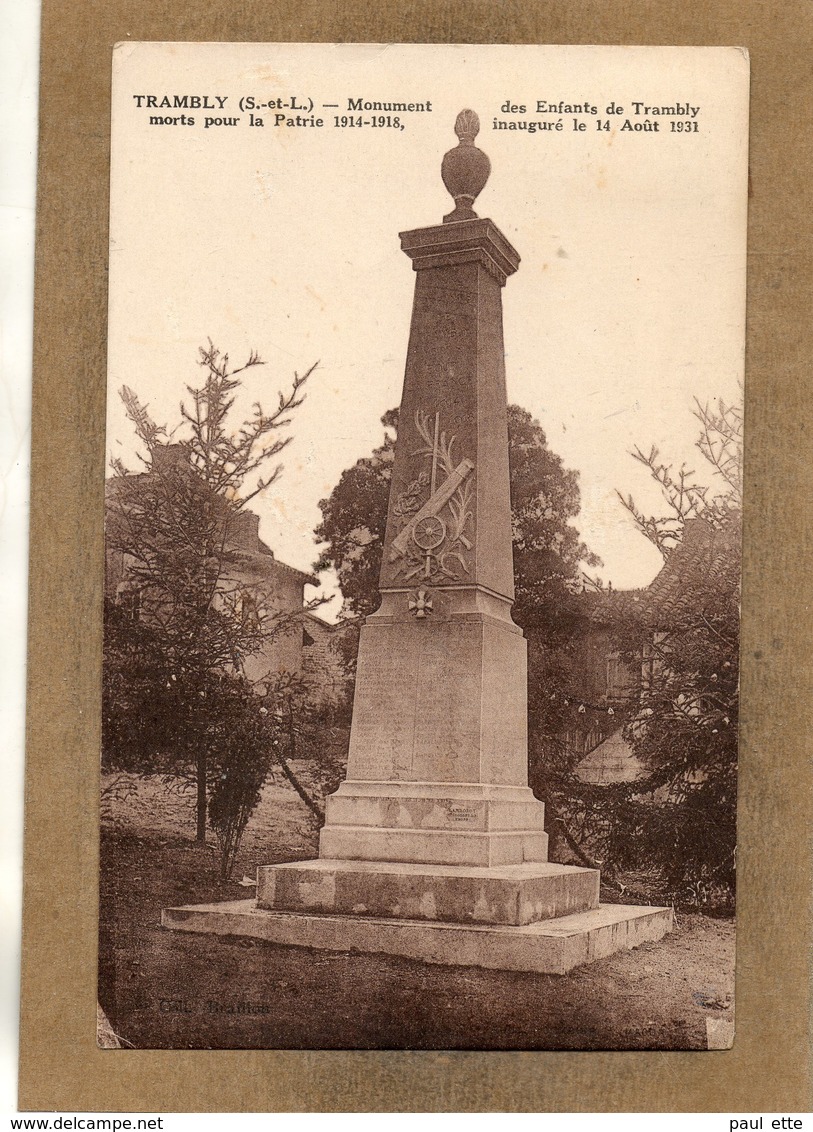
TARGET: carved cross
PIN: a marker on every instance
(421, 604)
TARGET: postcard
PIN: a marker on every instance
(423, 547)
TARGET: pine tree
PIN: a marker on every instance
(174, 672)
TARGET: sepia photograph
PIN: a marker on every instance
(423, 524)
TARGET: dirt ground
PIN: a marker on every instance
(163, 989)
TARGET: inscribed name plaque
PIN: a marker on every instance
(421, 628)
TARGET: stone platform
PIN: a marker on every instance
(551, 947)
(510, 894)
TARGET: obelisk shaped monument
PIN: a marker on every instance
(434, 846)
(438, 766)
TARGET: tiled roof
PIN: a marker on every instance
(266, 551)
(330, 626)
(703, 552)
(113, 487)
(609, 606)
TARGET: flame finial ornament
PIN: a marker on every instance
(467, 127)
(465, 169)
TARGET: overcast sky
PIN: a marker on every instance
(629, 301)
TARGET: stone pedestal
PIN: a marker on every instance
(547, 947)
(434, 846)
(439, 735)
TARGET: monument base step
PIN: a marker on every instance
(507, 894)
(485, 849)
(551, 947)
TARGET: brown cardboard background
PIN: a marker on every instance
(61, 1068)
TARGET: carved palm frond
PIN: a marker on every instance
(425, 427)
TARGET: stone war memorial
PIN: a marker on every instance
(434, 846)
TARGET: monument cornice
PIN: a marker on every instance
(466, 241)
